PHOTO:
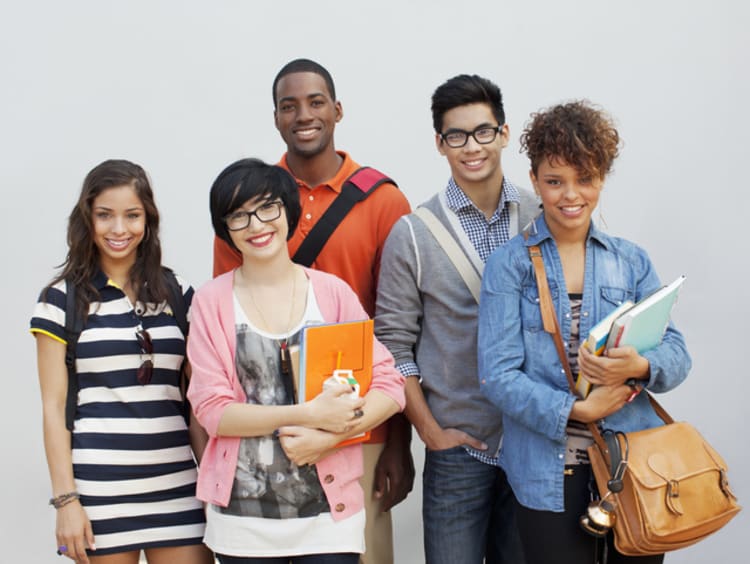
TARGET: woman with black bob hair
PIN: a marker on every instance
(123, 480)
(277, 488)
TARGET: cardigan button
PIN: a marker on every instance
(328, 479)
(340, 507)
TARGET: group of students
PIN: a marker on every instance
(505, 478)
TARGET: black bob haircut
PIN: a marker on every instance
(246, 179)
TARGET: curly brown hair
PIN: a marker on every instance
(577, 133)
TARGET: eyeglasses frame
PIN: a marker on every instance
(250, 214)
(497, 129)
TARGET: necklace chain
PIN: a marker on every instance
(284, 356)
(291, 309)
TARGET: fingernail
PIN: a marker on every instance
(275, 433)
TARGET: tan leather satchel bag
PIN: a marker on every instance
(675, 490)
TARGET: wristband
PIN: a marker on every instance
(63, 499)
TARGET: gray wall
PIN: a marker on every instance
(185, 87)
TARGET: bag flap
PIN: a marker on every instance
(672, 452)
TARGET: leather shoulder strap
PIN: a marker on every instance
(73, 328)
(455, 254)
(355, 189)
(176, 300)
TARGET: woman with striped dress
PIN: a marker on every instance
(123, 480)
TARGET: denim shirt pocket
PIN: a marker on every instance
(611, 298)
(531, 315)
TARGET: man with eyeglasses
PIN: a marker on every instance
(426, 314)
(306, 112)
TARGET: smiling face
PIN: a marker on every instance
(119, 225)
(306, 114)
(261, 240)
(473, 166)
(568, 197)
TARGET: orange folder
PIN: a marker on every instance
(337, 346)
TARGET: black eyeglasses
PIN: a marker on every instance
(240, 219)
(456, 138)
(146, 369)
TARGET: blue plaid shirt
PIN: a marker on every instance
(485, 235)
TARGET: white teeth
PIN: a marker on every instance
(473, 163)
(261, 238)
(571, 208)
(306, 132)
(118, 244)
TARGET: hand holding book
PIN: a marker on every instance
(334, 409)
(628, 331)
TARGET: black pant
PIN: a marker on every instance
(558, 537)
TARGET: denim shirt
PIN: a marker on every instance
(520, 371)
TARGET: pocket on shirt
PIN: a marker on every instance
(531, 315)
(612, 297)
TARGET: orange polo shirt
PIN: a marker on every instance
(353, 251)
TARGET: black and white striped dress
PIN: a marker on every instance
(132, 461)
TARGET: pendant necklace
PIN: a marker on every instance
(285, 361)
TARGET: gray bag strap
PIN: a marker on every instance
(451, 248)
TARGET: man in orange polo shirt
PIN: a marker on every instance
(306, 112)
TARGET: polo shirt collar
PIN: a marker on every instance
(345, 170)
(102, 281)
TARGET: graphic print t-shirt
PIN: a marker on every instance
(267, 484)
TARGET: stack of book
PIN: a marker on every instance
(641, 325)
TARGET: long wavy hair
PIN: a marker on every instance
(82, 262)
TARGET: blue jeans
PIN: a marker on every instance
(468, 511)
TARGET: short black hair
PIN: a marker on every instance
(246, 179)
(304, 65)
(462, 90)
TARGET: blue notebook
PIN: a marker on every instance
(644, 324)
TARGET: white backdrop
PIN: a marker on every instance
(184, 88)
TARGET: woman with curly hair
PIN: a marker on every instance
(122, 470)
(571, 148)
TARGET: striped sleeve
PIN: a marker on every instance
(49, 313)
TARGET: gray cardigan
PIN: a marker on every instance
(425, 314)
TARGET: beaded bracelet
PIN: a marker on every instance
(63, 499)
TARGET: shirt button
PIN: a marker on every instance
(328, 479)
(340, 507)
(567, 316)
(560, 455)
(308, 216)
(585, 313)
(311, 197)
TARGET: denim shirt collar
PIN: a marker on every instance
(538, 232)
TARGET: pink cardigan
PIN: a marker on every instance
(214, 385)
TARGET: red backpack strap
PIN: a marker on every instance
(356, 188)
